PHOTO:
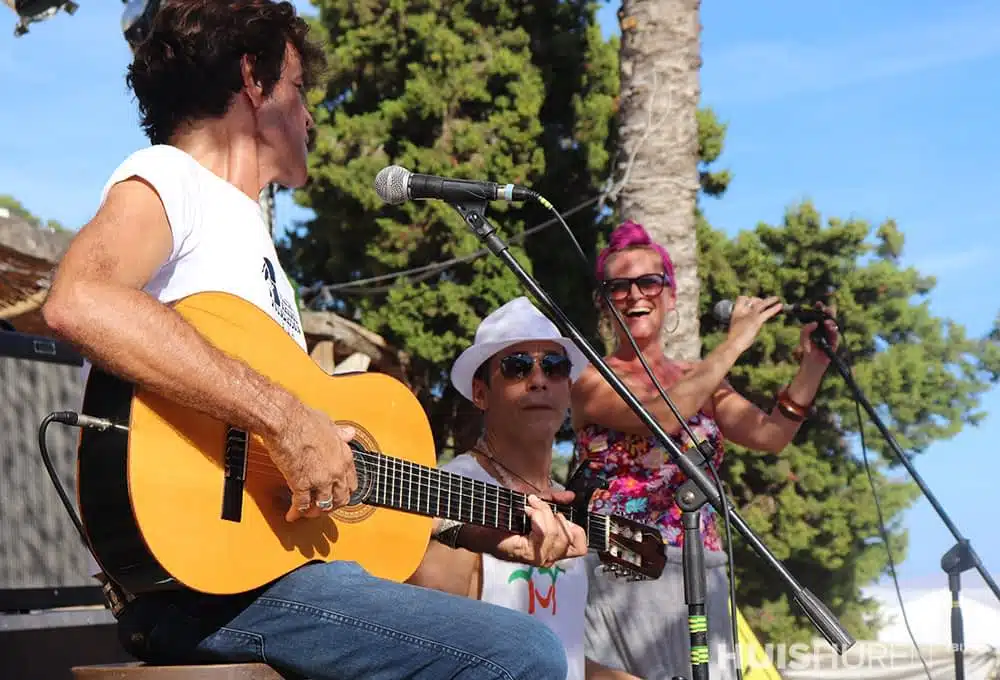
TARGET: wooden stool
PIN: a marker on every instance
(140, 671)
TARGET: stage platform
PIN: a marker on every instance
(44, 644)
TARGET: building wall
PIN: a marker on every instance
(39, 546)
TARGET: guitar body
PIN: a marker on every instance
(160, 510)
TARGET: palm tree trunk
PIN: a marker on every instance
(659, 67)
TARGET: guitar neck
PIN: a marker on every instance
(418, 489)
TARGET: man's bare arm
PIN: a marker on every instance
(96, 303)
(596, 671)
(454, 571)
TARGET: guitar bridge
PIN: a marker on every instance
(236, 474)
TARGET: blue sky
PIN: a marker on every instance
(872, 110)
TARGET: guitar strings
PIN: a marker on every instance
(412, 478)
(416, 473)
(462, 506)
(485, 451)
(408, 479)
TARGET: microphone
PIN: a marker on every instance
(723, 312)
(395, 184)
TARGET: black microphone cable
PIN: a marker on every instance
(72, 419)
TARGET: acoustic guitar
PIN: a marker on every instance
(177, 498)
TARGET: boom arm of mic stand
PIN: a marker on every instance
(474, 215)
(821, 341)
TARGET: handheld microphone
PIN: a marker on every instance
(723, 312)
(395, 184)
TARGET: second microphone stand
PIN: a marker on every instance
(690, 500)
(961, 557)
(474, 214)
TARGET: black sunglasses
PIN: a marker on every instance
(519, 365)
(650, 285)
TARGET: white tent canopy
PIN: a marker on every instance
(871, 660)
(929, 614)
(893, 656)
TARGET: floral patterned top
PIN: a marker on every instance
(643, 480)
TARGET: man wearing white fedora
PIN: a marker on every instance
(518, 373)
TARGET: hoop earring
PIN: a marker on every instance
(606, 329)
(677, 321)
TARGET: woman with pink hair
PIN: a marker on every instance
(642, 627)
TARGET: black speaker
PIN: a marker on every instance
(40, 549)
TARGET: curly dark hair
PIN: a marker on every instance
(188, 68)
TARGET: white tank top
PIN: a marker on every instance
(220, 239)
(557, 597)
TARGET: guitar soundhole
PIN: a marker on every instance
(364, 477)
(356, 510)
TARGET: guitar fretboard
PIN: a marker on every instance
(418, 489)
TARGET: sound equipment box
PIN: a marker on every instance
(42, 558)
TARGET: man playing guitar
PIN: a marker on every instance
(221, 91)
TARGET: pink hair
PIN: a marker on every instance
(630, 235)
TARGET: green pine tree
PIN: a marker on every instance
(513, 92)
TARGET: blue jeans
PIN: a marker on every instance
(336, 621)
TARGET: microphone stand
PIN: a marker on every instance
(473, 212)
(961, 557)
(958, 559)
(690, 500)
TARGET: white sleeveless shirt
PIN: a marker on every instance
(557, 597)
(220, 240)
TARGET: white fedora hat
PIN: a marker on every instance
(515, 322)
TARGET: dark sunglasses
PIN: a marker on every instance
(518, 366)
(650, 285)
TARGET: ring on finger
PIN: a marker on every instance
(325, 504)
